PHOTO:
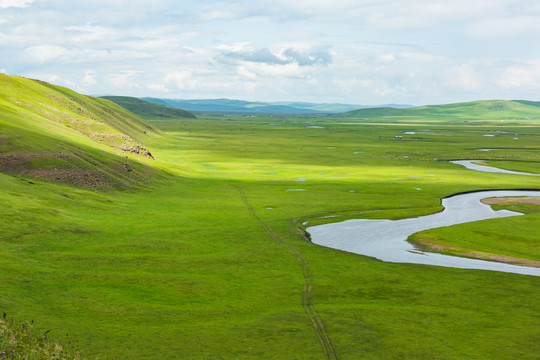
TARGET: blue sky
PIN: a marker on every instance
(349, 51)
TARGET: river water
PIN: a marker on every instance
(387, 239)
(469, 165)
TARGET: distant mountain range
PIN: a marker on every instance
(251, 107)
(483, 109)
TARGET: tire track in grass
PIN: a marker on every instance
(316, 321)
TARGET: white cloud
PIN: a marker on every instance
(505, 26)
(245, 73)
(361, 86)
(292, 70)
(462, 76)
(522, 76)
(126, 80)
(350, 84)
(221, 11)
(180, 80)
(15, 3)
(43, 53)
(317, 7)
(393, 14)
(89, 79)
(283, 56)
(159, 88)
(386, 58)
(90, 32)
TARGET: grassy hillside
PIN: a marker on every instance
(530, 103)
(147, 109)
(53, 133)
(492, 109)
(213, 264)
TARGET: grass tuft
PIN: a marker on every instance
(22, 340)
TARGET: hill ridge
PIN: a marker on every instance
(496, 109)
(148, 110)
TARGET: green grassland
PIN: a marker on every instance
(200, 261)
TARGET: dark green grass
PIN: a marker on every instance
(183, 270)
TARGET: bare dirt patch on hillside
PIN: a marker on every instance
(69, 167)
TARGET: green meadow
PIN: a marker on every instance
(199, 252)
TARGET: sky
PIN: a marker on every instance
(346, 51)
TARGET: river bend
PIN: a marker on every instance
(387, 239)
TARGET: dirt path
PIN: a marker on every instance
(316, 321)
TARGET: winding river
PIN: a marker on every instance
(387, 239)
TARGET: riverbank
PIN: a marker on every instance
(386, 240)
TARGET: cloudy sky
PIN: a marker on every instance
(349, 51)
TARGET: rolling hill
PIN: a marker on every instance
(148, 110)
(53, 133)
(493, 109)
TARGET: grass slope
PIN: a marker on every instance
(53, 133)
(492, 109)
(205, 265)
(147, 109)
